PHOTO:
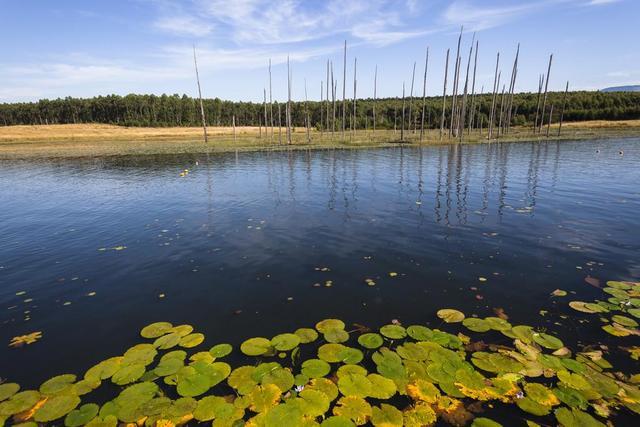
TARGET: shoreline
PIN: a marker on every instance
(97, 140)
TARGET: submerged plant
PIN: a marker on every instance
(411, 376)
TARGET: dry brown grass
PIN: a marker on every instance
(108, 140)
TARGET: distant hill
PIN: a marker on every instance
(634, 88)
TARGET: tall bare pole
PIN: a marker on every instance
(288, 113)
(279, 124)
(375, 93)
(493, 99)
(402, 125)
(327, 97)
(344, 89)
(306, 113)
(444, 93)
(540, 83)
(204, 122)
(334, 88)
(265, 113)
(424, 94)
(501, 110)
(473, 90)
(512, 87)
(549, 123)
(413, 77)
(564, 104)
(355, 69)
(321, 110)
(270, 101)
(544, 98)
(233, 122)
(456, 76)
(466, 91)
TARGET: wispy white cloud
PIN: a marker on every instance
(184, 25)
(476, 16)
(601, 2)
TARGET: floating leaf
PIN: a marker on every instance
(263, 398)
(167, 341)
(354, 385)
(256, 346)
(19, 402)
(419, 416)
(306, 335)
(354, 408)
(220, 350)
(315, 368)
(182, 330)
(575, 418)
(547, 341)
(335, 335)
(422, 390)
(156, 330)
(315, 403)
(56, 407)
(586, 307)
(327, 324)
(370, 340)
(531, 406)
(21, 340)
(57, 384)
(337, 421)
(624, 321)
(82, 415)
(559, 293)
(381, 387)
(285, 342)
(191, 340)
(450, 315)
(476, 325)
(128, 374)
(386, 416)
(485, 422)
(419, 332)
(394, 332)
(7, 390)
(104, 369)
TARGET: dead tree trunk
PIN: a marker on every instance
(204, 122)
(444, 93)
(540, 83)
(402, 124)
(493, 99)
(279, 124)
(344, 89)
(456, 76)
(375, 88)
(306, 113)
(413, 76)
(355, 70)
(424, 94)
(473, 90)
(270, 101)
(564, 104)
(288, 112)
(550, 117)
(546, 87)
(512, 87)
(463, 110)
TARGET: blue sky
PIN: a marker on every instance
(85, 48)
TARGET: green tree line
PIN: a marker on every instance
(176, 110)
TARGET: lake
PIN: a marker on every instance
(255, 244)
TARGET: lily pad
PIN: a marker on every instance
(547, 341)
(624, 321)
(306, 335)
(7, 390)
(370, 340)
(575, 418)
(327, 324)
(57, 384)
(394, 332)
(191, 340)
(476, 325)
(128, 374)
(285, 342)
(354, 408)
(82, 415)
(386, 416)
(419, 332)
(586, 307)
(156, 330)
(256, 346)
(56, 407)
(167, 341)
(336, 335)
(315, 368)
(450, 315)
(19, 402)
(220, 350)
(354, 385)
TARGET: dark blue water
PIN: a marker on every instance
(235, 245)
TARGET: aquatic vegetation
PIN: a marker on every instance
(411, 376)
(21, 340)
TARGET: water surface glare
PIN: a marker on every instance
(235, 245)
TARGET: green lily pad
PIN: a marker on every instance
(156, 330)
(82, 415)
(498, 324)
(256, 346)
(167, 341)
(19, 402)
(547, 341)
(336, 335)
(56, 407)
(168, 367)
(476, 325)
(285, 342)
(57, 384)
(139, 354)
(575, 418)
(7, 390)
(314, 403)
(354, 385)
(370, 340)
(182, 330)
(242, 380)
(386, 416)
(104, 369)
(220, 350)
(354, 408)
(191, 340)
(450, 315)
(394, 332)
(624, 321)
(337, 421)
(327, 324)
(531, 406)
(128, 374)
(419, 332)
(586, 307)
(306, 335)
(381, 387)
(315, 368)
(193, 385)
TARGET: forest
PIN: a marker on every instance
(176, 110)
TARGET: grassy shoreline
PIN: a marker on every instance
(98, 140)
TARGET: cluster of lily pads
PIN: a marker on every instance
(331, 376)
